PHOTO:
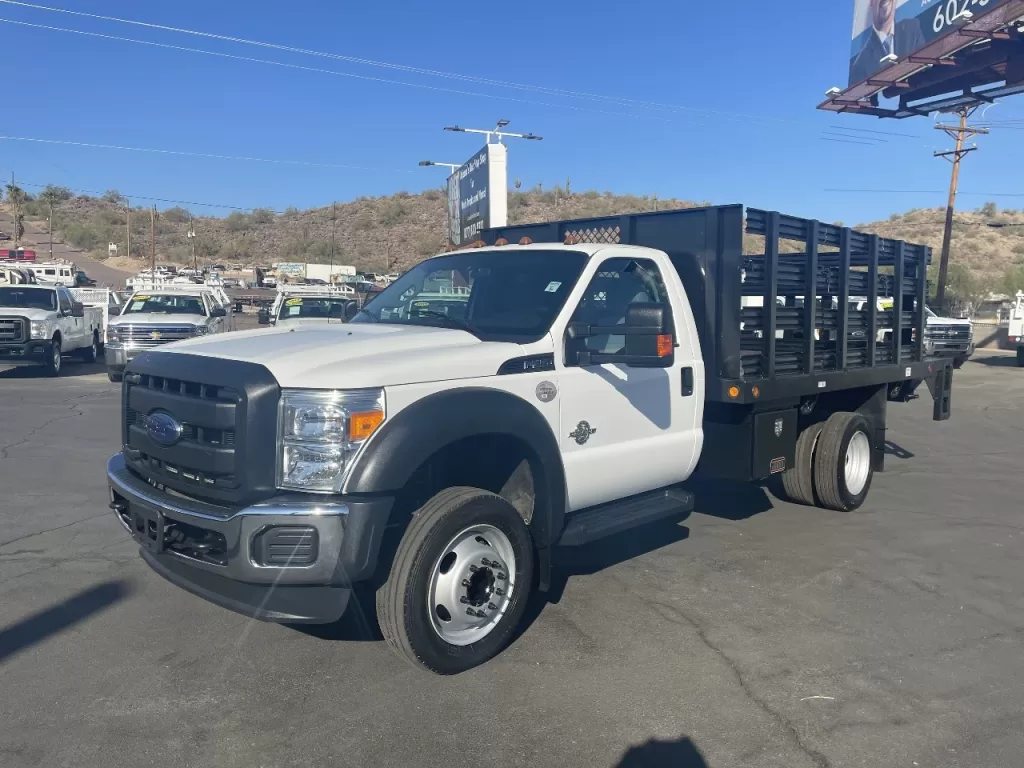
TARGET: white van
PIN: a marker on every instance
(52, 272)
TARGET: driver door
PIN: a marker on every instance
(71, 326)
(624, 430)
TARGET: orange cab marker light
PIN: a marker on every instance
(665, 345)
(362, 425)
(525, 241)
(501, 241)
(755, 391)
(571, 240)
(734, 391)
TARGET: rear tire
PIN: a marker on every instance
(90, 353)
(798, 481)
(53, 363)
(422, 607)
(843, 462)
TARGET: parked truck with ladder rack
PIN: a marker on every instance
(444, 459)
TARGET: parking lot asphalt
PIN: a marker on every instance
(753, 633)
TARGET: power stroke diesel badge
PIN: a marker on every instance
(582, 432)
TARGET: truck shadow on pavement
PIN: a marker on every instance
(69, 369)
(36, 628)
(681, 753)
(995, 361)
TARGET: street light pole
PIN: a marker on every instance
(495, 132)
(453, 167)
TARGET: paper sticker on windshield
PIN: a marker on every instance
(292, 302)
(421, 304)
(552, 287)
(141, 298)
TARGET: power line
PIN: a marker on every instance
(195, 154)
(146, 197)
(858, 130)
(872, 140)
(621, 101)
(925, 192)
(849, 141)
(301, 67)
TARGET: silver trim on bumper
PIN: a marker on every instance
(239, 527)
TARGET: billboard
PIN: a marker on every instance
(900, 28)
(478, 195)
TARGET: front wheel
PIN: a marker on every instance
(115, 376)
(53, 362)
(459, 583)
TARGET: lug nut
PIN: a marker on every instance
(499, 592)
(501, 577)
(492, 607)
(465, 582)
(473, 568)
(464, 600)
(486, 563)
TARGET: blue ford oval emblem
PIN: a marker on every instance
(163, 428)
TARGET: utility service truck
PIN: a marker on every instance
(1016, 327)
(445, 458)
(39, 324)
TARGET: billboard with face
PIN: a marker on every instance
(900, 28)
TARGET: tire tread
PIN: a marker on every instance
(798, 482)
(827, 460)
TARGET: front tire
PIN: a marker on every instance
(1020, 356)
(459, 583)
(53, 363)
(843, 462)
(115, 377)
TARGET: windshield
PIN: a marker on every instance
(496, 295)
(28, 298)
(301, 307)
(168, 304)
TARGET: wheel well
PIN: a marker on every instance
(498, 463)
(57, 336)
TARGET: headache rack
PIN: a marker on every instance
(761, 337)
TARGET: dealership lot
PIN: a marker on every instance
(753, 633)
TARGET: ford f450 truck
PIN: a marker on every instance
(445, 458)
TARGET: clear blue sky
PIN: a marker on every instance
(744, 78)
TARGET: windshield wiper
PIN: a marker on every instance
(455, 323)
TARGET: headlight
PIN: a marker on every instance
(39, 329)
(318, 434)
(113, 333)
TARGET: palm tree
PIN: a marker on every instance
(16, 197)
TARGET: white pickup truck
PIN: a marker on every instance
(39, 324)
(446, 458)
(310, 305)
(1016, 327)
(159, 313)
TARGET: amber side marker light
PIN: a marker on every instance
(362, 425)
(755, 391)
(734, 392)
(665, 345)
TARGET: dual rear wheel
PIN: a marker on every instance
(833, 467)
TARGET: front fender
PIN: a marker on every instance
(427, 426)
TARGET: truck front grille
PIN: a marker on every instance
(227, 410)
(948, 332)
(149, 336)
(12, 329)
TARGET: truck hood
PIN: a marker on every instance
(947, 321)
(29, 314)
(357, 355)
(157, 318)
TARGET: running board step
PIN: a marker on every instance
(618, 516)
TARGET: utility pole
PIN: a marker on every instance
(128, 226)
(50, 202)
(334, 208)
(152, 240)
(959, 133)
(192, 240)
(17, 215)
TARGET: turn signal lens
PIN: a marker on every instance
(755, 391)
(665, 345)
(734, 391)
(362, 425)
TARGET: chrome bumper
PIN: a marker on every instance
(117, 355)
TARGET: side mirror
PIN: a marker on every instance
(77, 310)
(649, 341)
(113, 311)
(218, 312)
(263, 316)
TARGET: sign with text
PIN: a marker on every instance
(478, 195)
(901, 28)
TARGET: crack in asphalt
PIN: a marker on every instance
(73, 408)
(55, 528)
(676, 615)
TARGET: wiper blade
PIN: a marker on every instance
(454, 322)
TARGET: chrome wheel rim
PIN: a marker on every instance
(471, 585)
(857, 466)
(56, 357)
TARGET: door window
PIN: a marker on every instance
(64, 301)
(618, 283)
